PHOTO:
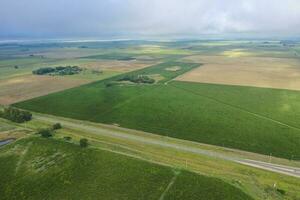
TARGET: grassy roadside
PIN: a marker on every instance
(258, 183)
(43, 168)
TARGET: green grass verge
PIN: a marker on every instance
(37, 168)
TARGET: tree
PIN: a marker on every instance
(46, 133)
(56, 126)
(83, 142)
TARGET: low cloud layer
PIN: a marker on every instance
(96, 18)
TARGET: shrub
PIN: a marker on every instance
(281, 191)
(46, 133)
(56, 126)
(110, 84)
(83, 142)
(15, 115)
(67, 138)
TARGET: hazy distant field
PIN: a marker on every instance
(17, 61)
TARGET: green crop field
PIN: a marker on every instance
(37, 168)
(247, 118)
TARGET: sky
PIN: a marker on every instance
(146, 18)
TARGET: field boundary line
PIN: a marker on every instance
(239, 108)
(171, 183)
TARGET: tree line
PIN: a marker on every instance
(68, 70)
(15, 115)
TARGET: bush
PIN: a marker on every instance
(46, 133)
(56, 126)
(83, 142)
(16, 115)
(67, 138)
(281, 191)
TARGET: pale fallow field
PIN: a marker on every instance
(239, 68)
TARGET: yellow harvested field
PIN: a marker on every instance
(281, 73)
(29, 86)
(119, 66)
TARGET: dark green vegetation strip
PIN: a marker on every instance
(37, 168)
(254, 119)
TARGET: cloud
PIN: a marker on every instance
(67, 18)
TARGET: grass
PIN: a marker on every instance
(38, 168)
(93, 76)
(5, 127)
(258, 183)
(205, 188)
(259, 120)
(251, 119)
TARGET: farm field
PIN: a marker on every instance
(256, 111)
(29, 86)
(239, 69)
(150, 100)
(246, 118)
(65, 171)
(18, 61)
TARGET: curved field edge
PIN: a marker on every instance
(38, 168)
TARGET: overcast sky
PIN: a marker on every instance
(99, 18)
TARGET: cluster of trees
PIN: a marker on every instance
(15, 115)
(62, 71)
(48, 132)
(138, 79)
